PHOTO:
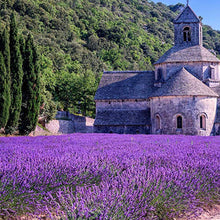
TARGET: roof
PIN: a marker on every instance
(125, 85)
(216, 89)
(187, 16)
(184, 83)
(122, 117)
(187, 54)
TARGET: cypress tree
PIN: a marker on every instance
(30, 89)
(22, 46)
(5, 79)
(16, 78)
(6, 50)
(4, 93)
(37, 87)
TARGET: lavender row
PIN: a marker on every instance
(101, 176)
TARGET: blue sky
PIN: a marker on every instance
(208, 9)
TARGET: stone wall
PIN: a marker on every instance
(76, 123)
(196, 34)
(127, 123)
(123, 129)
(60, 127)
(190, 108)
(66, 123)
(125, 105)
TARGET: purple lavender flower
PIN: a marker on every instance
(108, 176)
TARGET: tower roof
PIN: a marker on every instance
(187, 16)
(187, 54)
(184, 83)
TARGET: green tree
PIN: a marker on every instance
(88, 88)
(16, 78)
(48, 107)
(22, 45)
(5, 49)
(30, 89)
(69, 84)
(4, 93)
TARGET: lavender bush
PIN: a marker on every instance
(108, 176)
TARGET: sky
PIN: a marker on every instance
(208, 9)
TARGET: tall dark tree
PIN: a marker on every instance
(22, 45)
(4, 93)
(37, 84)
(16, 78)
(5, 78)
(30, 89)
(5, 49)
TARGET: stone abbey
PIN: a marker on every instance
(180, 97)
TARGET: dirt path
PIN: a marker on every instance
(209, 217)
(213, 214)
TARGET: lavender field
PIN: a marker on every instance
(108, 176)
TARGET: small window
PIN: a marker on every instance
(157, 122)
(200, 34)
(179, 122)
(202, 122)
(159, 74)
(186, 34)
(212, 72)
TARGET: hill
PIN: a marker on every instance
(78, 39)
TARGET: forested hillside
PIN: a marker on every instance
(78, 39)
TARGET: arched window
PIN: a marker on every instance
(179, 122)
(186, 34)
(157, 122)
(202, 119)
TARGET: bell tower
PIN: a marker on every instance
(188, 28)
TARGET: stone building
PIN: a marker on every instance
(180, 97)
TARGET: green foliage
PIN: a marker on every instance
(5, 78)
(22, 46)
(30, 89)
(16, 78)
(48, 107)
(5, 49)
(4, 93)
